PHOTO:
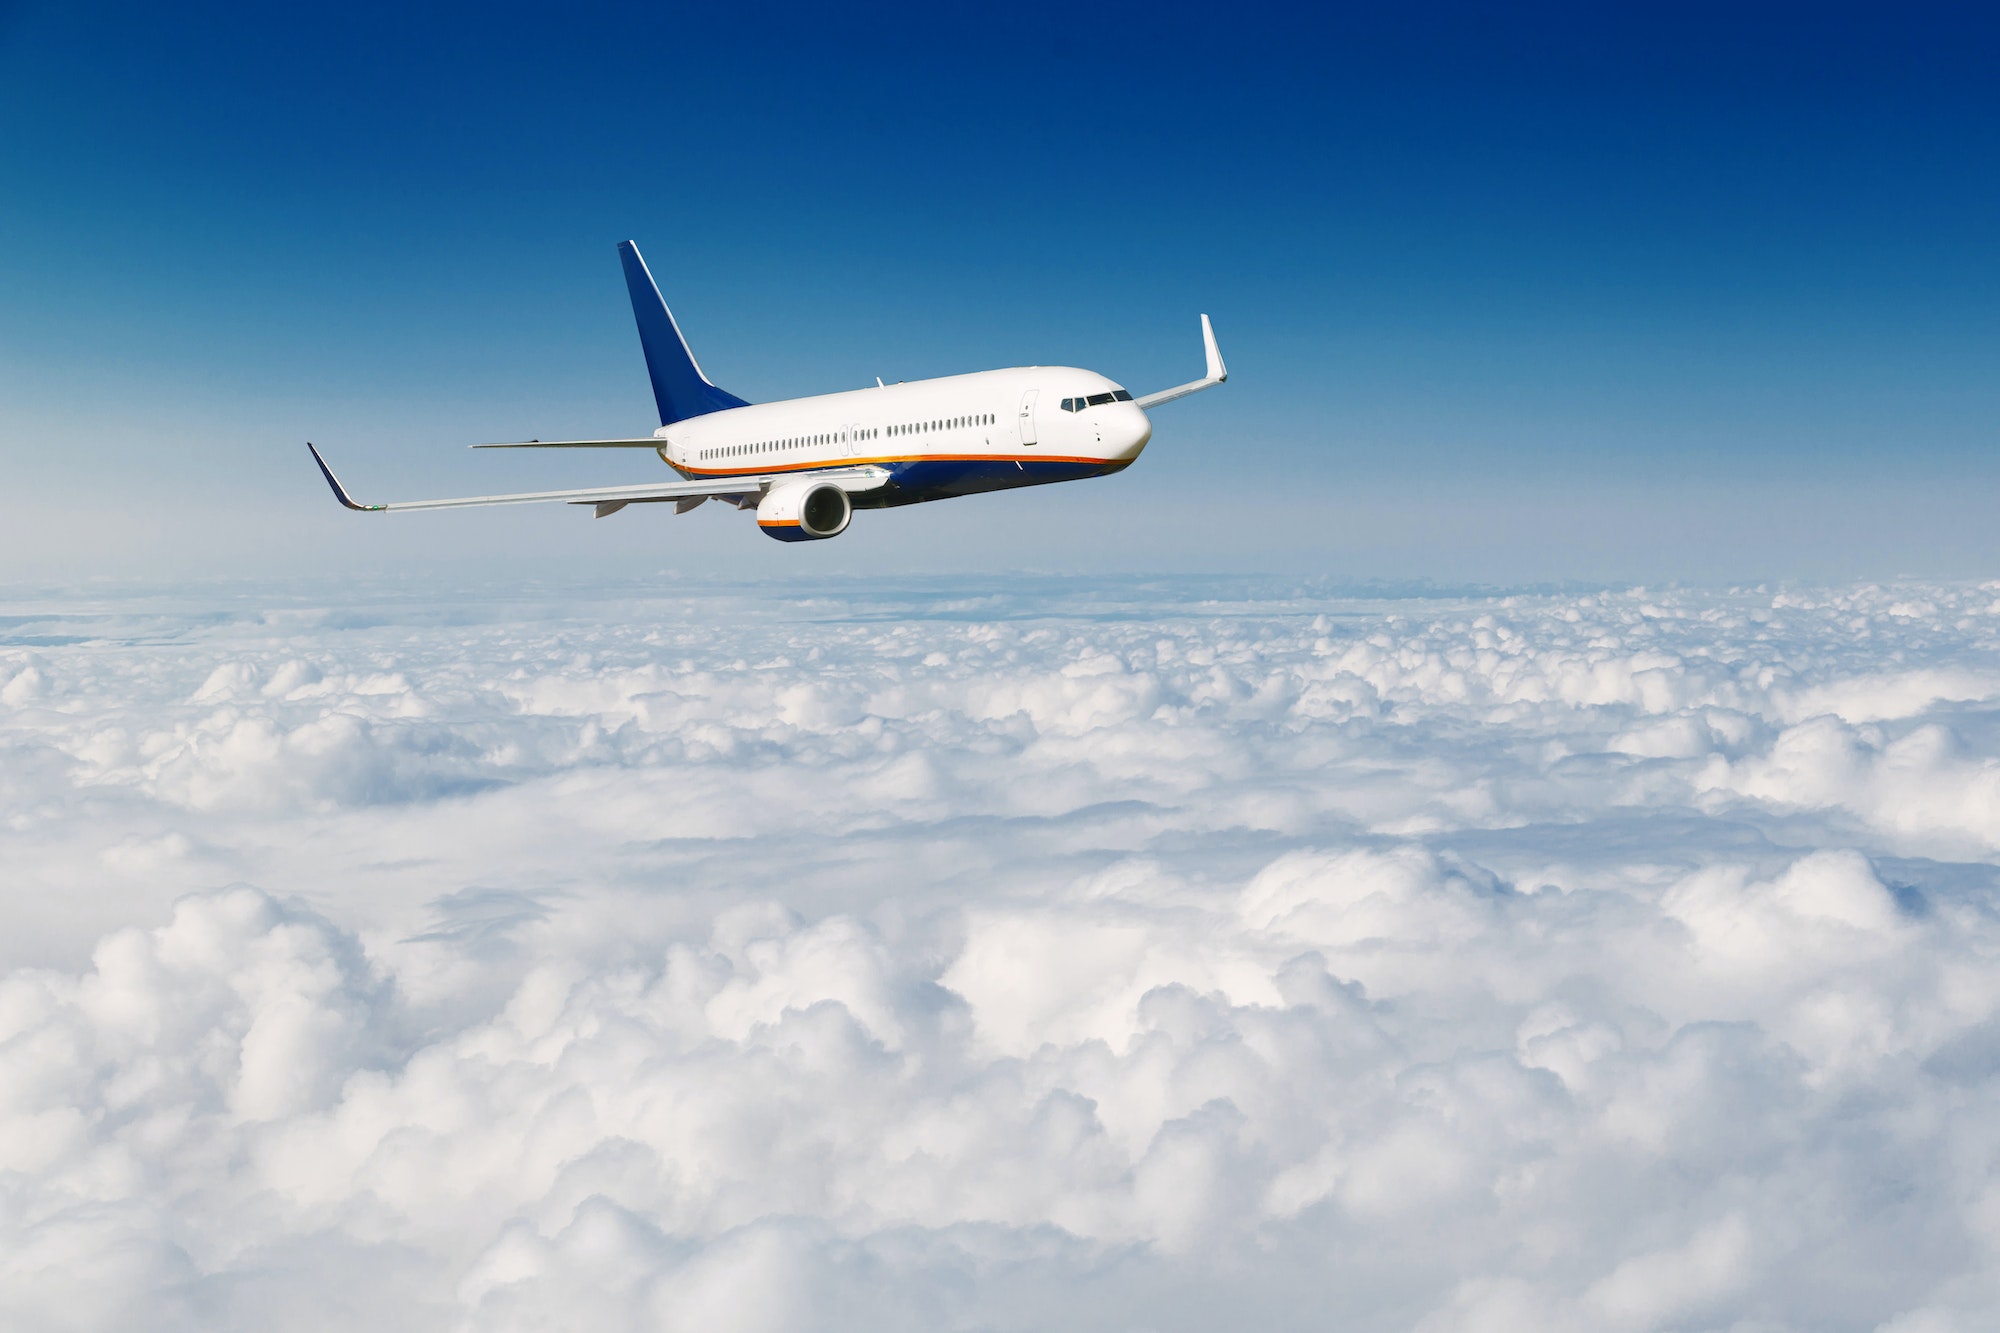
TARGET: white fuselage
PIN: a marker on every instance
(950, 436)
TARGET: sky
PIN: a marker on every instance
(1006, 954)
(1605, 293)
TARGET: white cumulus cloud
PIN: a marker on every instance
(932, 957)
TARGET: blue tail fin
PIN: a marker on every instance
(679, 387)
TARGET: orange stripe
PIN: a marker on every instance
(898, 458)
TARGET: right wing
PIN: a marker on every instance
(610, 499)
(1217, 372)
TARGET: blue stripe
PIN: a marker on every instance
(940, 479)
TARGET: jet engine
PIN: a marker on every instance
(804, 511)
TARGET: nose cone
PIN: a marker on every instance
(1128, 432)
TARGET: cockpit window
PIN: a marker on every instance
(1095, 400)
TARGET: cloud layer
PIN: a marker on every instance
(1123, 957)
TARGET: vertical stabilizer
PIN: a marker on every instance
(679, 387)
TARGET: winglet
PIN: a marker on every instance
(339, 491)
(1217, 372)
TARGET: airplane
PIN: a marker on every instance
(806, 464)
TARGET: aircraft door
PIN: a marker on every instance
(1028, 416)
(852, 434)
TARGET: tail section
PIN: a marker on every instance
(679, 387)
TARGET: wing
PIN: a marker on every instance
(610, 499)
(650, 442)
(1217, 372)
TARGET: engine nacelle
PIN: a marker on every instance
(804, 511)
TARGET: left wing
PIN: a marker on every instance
(650, 442)
(610, 499)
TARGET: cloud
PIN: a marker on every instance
(726, 960)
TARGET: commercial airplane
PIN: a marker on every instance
(806, 464)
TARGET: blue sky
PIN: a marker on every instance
(1678, 293)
